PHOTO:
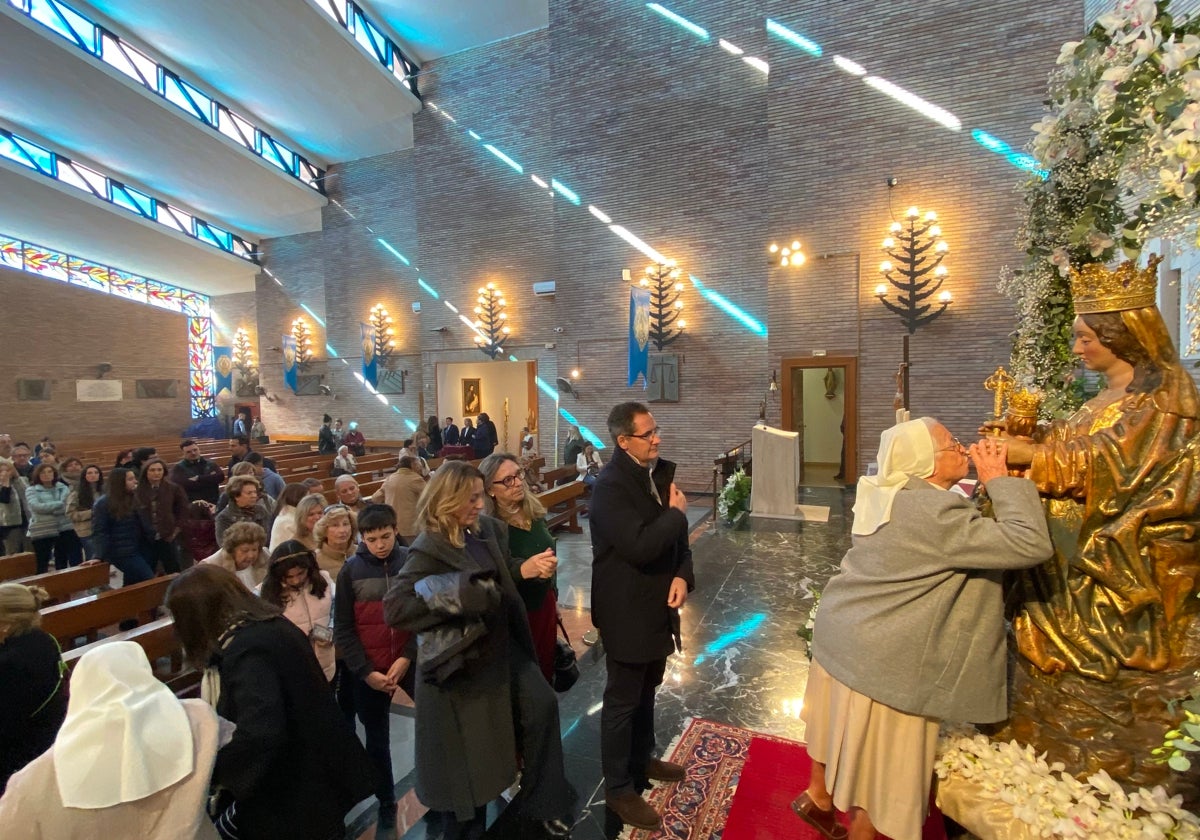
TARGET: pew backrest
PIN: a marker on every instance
(63, 584)
(86, 616)
(14, 566)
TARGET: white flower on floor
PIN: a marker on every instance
(1054, 804)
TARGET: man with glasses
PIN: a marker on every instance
(641, 576)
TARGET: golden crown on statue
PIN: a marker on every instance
(1096, 288)
(1024, 403)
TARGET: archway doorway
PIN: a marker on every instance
(820, 402)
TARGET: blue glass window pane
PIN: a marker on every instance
(203, 103)
(214, 235)
(42, 158)
(65, 22)
(131, 199)
(369, 37)
(13, 152)
(269, 155)
(174, 92)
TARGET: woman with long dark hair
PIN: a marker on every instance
(166, 507)
(481, 705)
(79, 506)
(434, 430)
(120, 533)
(304, 592)
(292, 767)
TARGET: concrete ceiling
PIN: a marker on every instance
(283, 64)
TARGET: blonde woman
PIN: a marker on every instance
(283, 520)
(510, 500)
(336, 536)
(467, 733)
(243, 553)
(31, 689)
(309, 511)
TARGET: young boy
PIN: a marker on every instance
(376, 656)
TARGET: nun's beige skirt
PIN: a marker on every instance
(875, 757)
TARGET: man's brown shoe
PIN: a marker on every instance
(633, 810)
(664, 771)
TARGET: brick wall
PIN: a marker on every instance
(49, 330)
(709, 161)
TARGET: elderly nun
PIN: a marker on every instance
(911, 629)
(131, 759)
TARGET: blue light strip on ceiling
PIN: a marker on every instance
(565, 191)
(39, 159)
(98, 42)
(679, 20)
(315, 316)
(395, 253)
(905, 97)
(645, 248)
(729, 307)
(795, 38)
(372, 40)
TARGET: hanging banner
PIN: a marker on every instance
(289, 362)
(370, 364)
(223, 364)
(639, 334)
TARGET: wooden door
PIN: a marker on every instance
(797, 424)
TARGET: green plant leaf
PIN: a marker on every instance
(1179, 763)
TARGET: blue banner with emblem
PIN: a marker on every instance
(370, 363)
(223, 367)
(289, 362)
(639, 334)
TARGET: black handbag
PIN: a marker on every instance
(566, 667)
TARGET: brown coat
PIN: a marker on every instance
(32, 808)
(166, 507)
(400, 492)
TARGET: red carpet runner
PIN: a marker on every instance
(739, 786)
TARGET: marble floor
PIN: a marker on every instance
(743, 662)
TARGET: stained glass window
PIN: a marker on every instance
(44, 262)
(94, 39)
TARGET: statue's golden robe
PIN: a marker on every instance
(1122, 483)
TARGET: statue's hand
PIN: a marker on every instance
(991, 427)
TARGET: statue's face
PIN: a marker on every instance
(1087, 346)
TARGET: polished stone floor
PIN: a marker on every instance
(743, 662)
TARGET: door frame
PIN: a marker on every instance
(850, 401)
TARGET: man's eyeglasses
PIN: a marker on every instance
(648, 436)
(953, 447)
(513, 480)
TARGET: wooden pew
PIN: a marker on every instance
(563, 506)
(14, 566)
(560, 475)
(85, 616)
(62, 585)
(159, 641)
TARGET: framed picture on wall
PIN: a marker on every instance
(472, 397)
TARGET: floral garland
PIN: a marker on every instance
(1119, 148)
(1054, 804)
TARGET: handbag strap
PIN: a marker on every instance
(563, 629)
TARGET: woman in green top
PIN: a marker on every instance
(509, 498)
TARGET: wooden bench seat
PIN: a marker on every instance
(85, 617)
(560, 475)
(14, 566)
(563, 506)
(159, 641)
(66, 583)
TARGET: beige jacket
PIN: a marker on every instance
(400, 491)
(32, 808)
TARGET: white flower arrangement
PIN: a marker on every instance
(734, 496)
(1119, 149)
(1054, 804)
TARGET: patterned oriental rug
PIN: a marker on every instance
(739, 786)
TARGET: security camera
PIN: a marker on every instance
(559, 329)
